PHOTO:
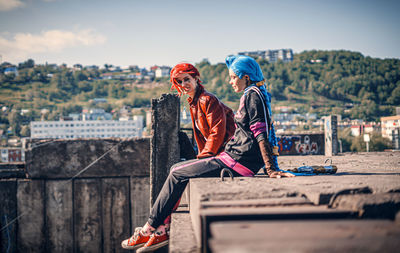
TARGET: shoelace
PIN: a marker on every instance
(136, 234)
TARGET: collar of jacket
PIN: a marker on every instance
(199, 90)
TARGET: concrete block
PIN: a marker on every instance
(164, 144)
(376, 206)
(331, 135)
(67, 158)
(8, 214)
(87, 215)
(116, 215)
(12, 170)
(140, 201)
(182, 238)
(31, 223)
(305, 236)
(59, 213)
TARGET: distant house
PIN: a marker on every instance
(153, 68)
(92, 67)
(11, 70)
(99, 100)
(162, 71)
(389, 124)
(24, 111)
(77, 67)
(368, 128)
(106, 76)
(355, 130)
(9, 155)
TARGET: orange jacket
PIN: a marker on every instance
(213, 123)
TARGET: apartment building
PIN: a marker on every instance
(285, 55)
(389, 124)
(87, 129)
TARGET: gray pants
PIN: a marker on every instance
(176, 182)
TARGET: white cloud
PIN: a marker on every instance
(7, 5)
(23, 45)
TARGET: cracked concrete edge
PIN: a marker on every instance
(380, 205)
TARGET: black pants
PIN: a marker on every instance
(176, 182)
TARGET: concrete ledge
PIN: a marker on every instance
(182, 238)
(12, 170)
(66, 158)
(372, 178)
(305, 236)
(382, 205)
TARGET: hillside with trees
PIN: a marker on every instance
(321, 82)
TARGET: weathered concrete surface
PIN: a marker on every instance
(164, 144)
(331, 135)
(66, 158)
(181, 227)
(57, 210)
(31, 203)
(380, 174)
(305, 236)
(140, 201)
(116, 214)
(363, 175)
(87, 217)
(12, 170)
(8, 212)
(59, 216)
(380, 205)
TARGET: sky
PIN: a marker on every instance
(167, 32)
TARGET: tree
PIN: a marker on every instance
(25, 131)
(14, 119)
(379, 143)
(27, 64)
(394, 99)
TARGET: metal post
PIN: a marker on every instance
(367, 139)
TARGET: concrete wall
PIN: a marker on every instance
(301, 144)
(164, 146)
(60, 209)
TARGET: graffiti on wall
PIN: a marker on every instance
(300, 144)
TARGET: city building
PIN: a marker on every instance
(87, 129)
(285, 55)
(162, 71)
(389, 124)
(9, 155)
(355, 130)
(96, 114)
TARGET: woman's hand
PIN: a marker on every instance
(278, 174)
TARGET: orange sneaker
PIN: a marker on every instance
(156, 241)
(136, 241)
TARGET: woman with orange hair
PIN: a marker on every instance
(213, 126)
(213, 123)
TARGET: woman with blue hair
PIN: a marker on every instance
(249, 150)
(254, 141)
